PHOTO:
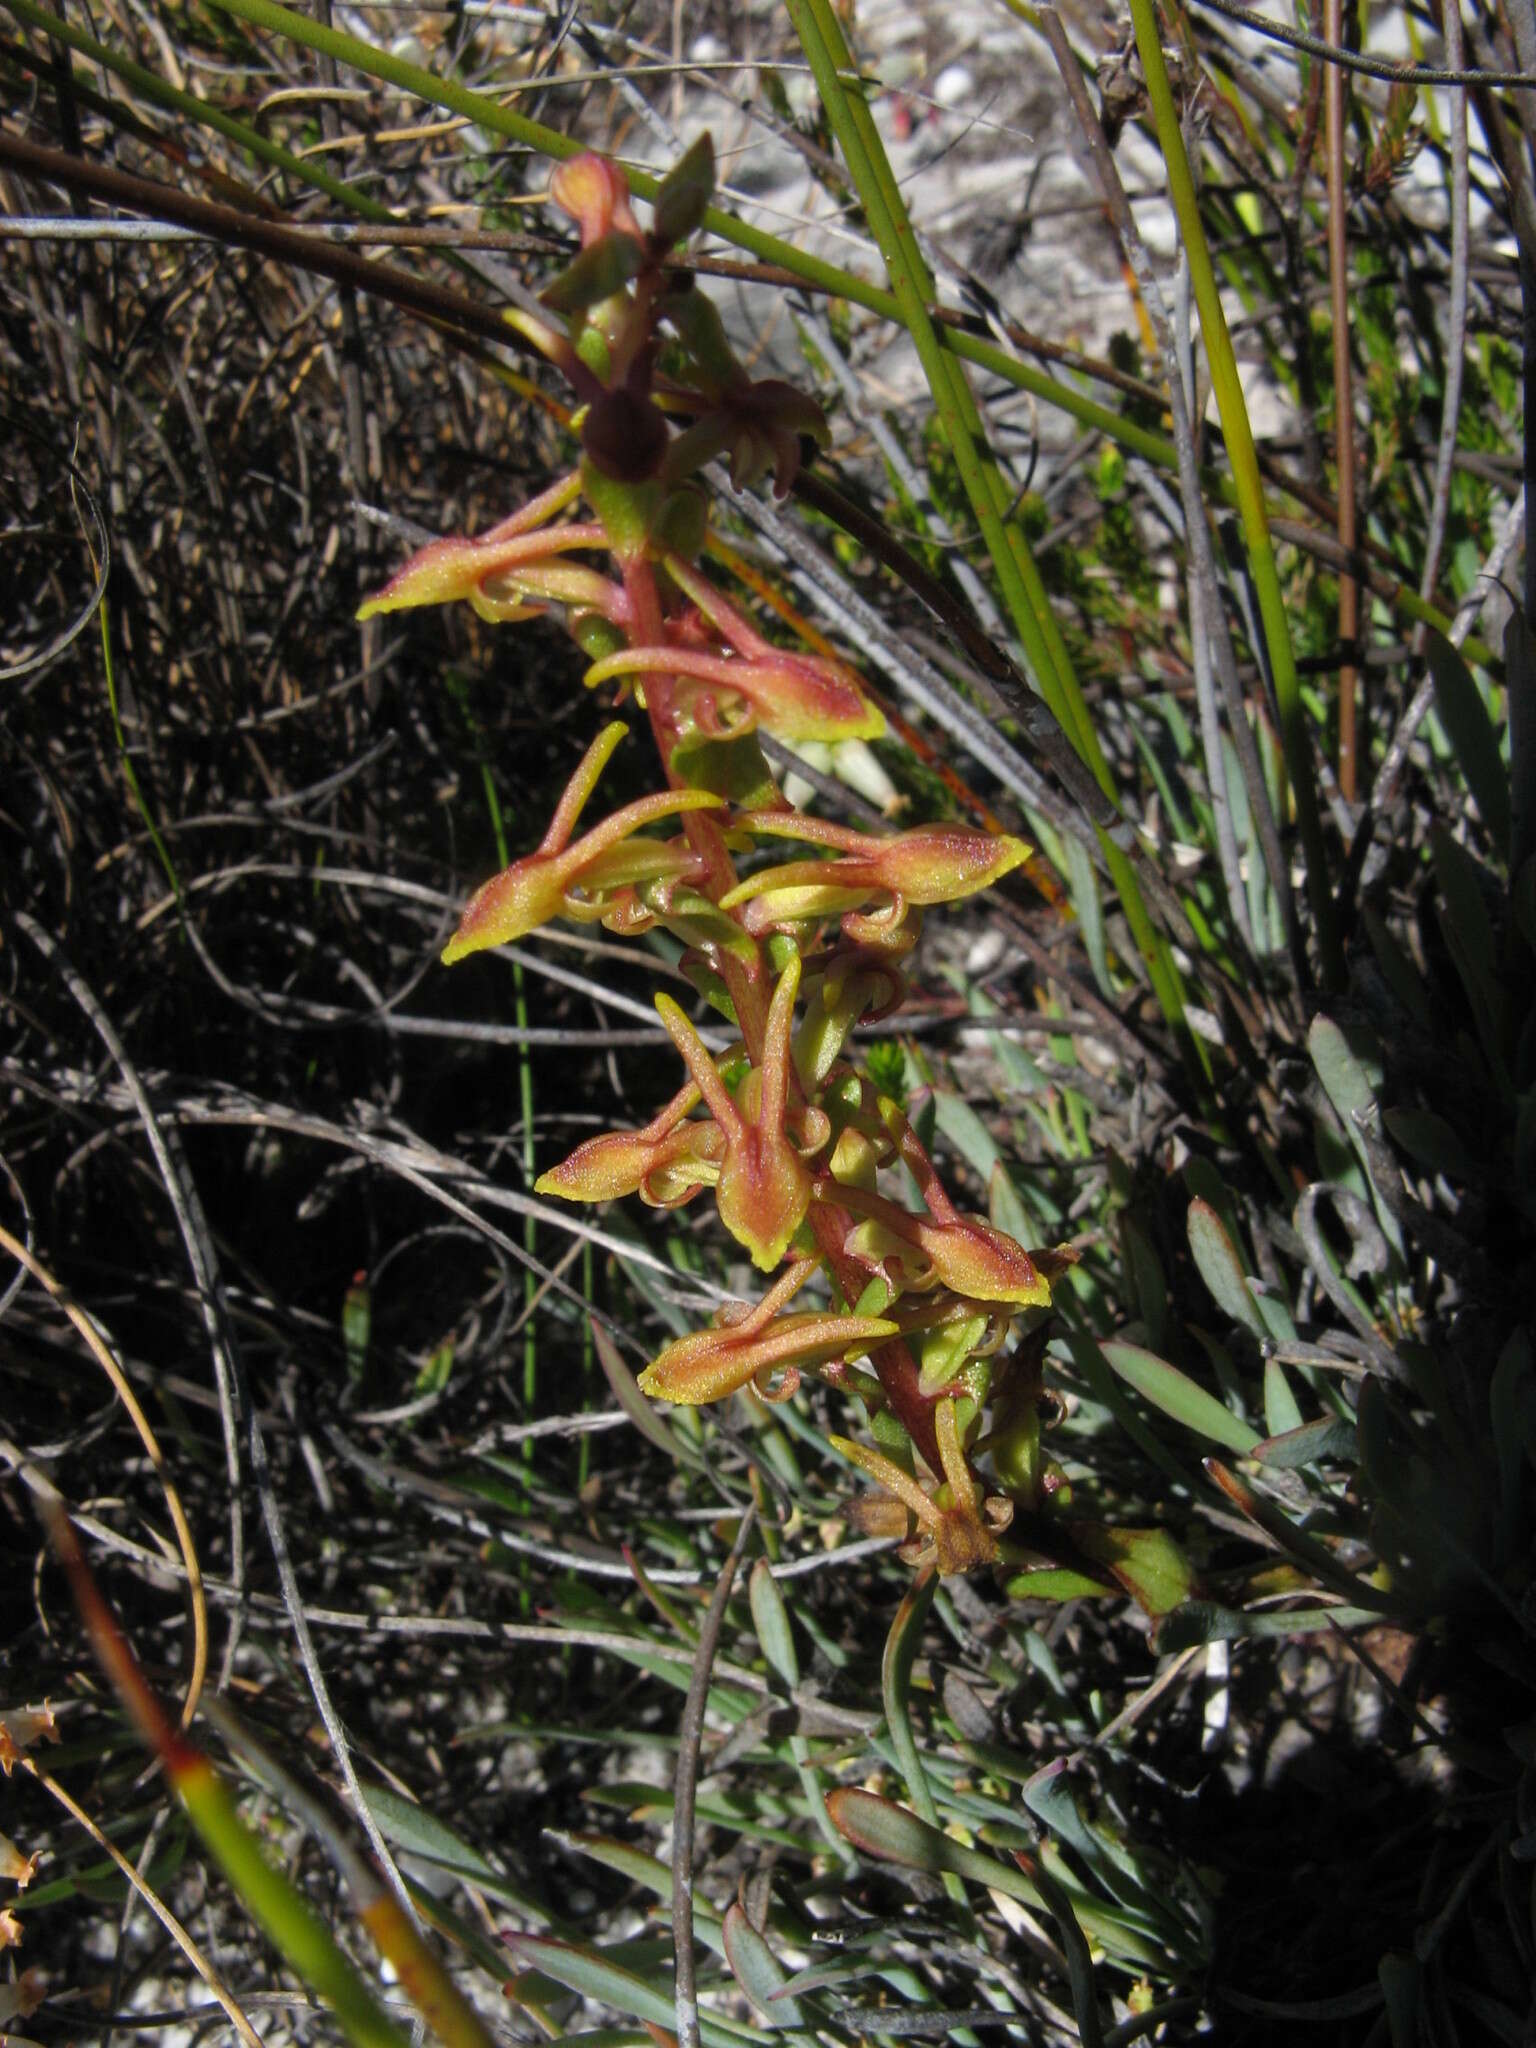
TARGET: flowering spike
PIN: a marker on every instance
(797, 1143)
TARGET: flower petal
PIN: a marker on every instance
(631, 1162)
(796, 696)
(454, 568)
(708, 1364)
(928, 865)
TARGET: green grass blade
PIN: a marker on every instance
(1019, 578)
(842, 96)
(1221, 1268)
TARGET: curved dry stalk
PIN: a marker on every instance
(153, 1900)
(233, 1403)
(96, 1344)
(181, 1192)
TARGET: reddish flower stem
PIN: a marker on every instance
(893, 1362)
(747, 985)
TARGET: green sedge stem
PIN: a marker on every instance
(1243, 455)
(130, 773)
(1018, 574)
(913, 287)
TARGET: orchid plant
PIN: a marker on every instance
(914, 1307)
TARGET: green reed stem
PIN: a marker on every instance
(1023, 588)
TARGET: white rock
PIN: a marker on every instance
(955, 86)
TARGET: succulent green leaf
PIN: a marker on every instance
(1048, 1581)
(758, 1971)
(881, 1828)
(1349, 1071)
(1473, 737)
(420, 1832)
(1432, 1144)
(1088, 903)
(1308, 1443)
(1179, 1397)
(967, 1133)
(770, 1617)
(1005, 1207)
(1204, 1621)
(1280, 1410)
(591, 1973)
(1147, 1563)
(1145, 1275)
(1221, 1269)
